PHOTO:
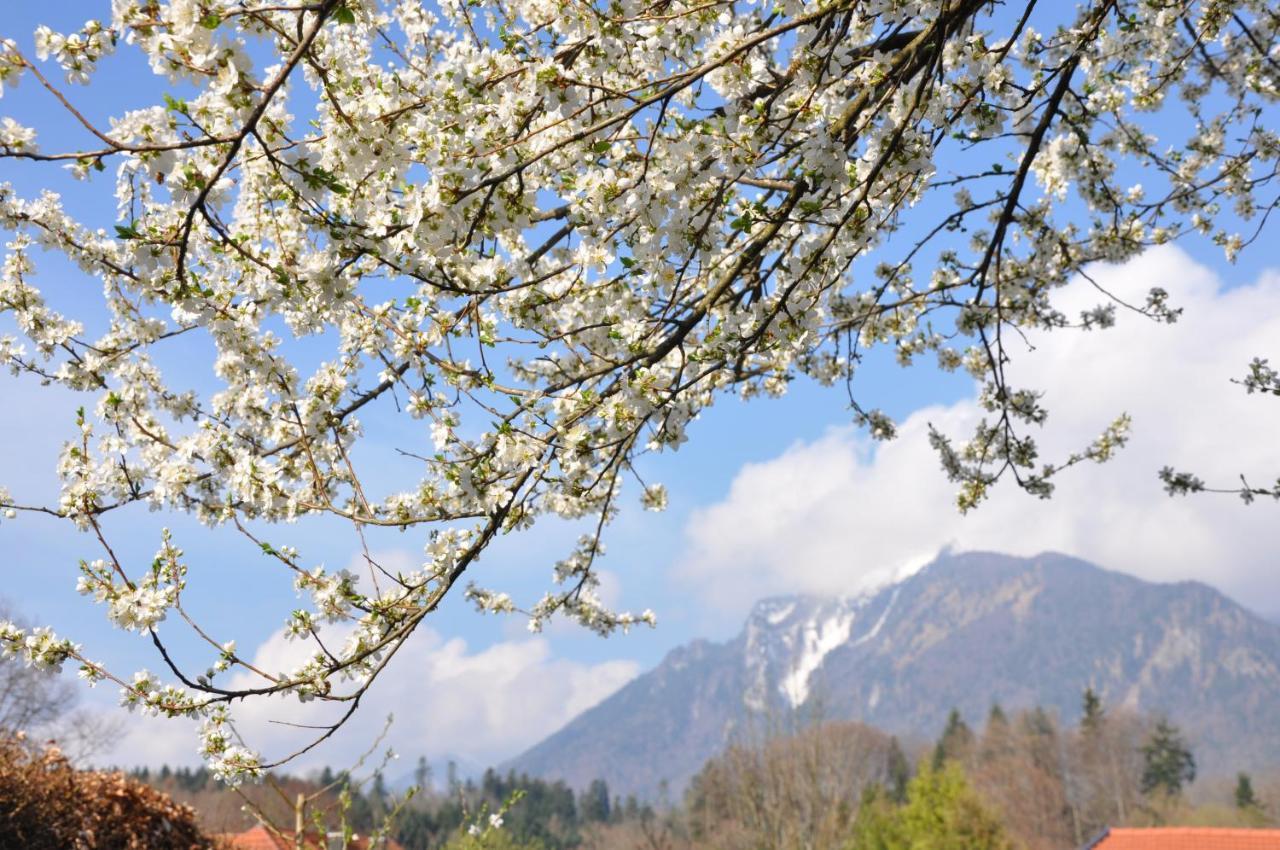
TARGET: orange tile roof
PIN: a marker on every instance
(261, 838)
(258, 838)
(1187, 838)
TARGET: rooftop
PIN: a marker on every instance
(1187, 838)
(261, 838)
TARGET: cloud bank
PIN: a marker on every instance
(478, 707)
(837, 514)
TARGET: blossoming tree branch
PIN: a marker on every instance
(554, 231)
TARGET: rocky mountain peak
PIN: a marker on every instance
(968, 630)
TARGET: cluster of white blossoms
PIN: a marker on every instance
(227, 760)
(77, 53)
(553, 233)
(136, 605)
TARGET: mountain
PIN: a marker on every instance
(968, 630)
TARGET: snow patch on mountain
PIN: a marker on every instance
(787, 640)
(875, 630)
(818, 638)
(777, 615)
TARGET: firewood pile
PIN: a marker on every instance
(47, 804)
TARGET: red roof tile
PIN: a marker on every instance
(261, 838)
(258, 838)
(1188, 838)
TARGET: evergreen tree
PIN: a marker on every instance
(451, 778)
(956, 740)
(360, 811)
(1093, 711)
(899, 772)
(1039, 734)
(492, 785)
(1038, 723)
(1167, 761)
(1245, 799)
(593, 804)
(997, 738)
(416, 829)
(378, 803)
(422, 774)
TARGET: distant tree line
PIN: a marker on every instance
(1020, 780)
(544, 815)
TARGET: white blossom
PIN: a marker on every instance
(537, 257)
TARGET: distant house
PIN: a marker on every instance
(261, 838)
(1186, 838)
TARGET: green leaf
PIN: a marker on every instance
(128, 232)
(344, 15)
(601, 146)
(211, 21)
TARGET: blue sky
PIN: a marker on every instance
(767, 497)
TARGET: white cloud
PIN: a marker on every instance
(836, 514)
(479, 707)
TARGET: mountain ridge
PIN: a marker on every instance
(966, 630)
